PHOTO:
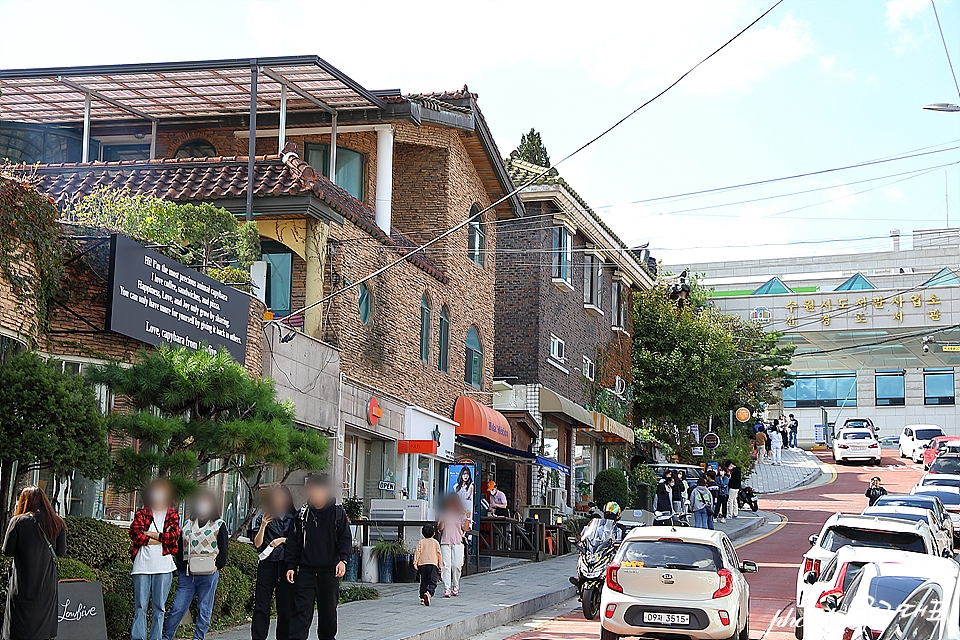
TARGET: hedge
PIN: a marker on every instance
(96, 543)
(611, 486)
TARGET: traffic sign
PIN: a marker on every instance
(743, 414)
(711, 441)
(697, 451)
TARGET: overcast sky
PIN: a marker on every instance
(817, 84)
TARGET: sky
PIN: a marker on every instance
(815, 85)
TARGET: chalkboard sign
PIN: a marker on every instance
(159, 301)
(80, 614)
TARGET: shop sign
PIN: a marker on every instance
(743, 414)
(418, 446)
(433, 433)
(80, 611)
(711, 441)
(761, 314)
(374, 412)
(950, 348)
(697, 451)
(386, 485)
(157, 300)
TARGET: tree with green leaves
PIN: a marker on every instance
(49, 421)
(762, 362)
(198, 415)
(531, 149)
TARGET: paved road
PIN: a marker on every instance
(779, 549)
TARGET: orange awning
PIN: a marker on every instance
(480, 421)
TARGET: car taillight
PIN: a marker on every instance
(816, 567)
(807, 564)
(848, 633)
(609, 611)
(843, 446)
(874, 446)
(832, 592)
(726, 584)
(724, 618)
(612, 583)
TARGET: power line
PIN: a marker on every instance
(945, 48)
(421, 248)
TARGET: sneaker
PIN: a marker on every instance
(423, 600)
(426, 599)
(446, 594)
(455, 592)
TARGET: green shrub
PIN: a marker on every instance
(355, 593)
(738, 449)
(233, 594)
(117, 598)
(611, 486)
(244, 557)
(70, 569)
(96, 543)
(642, 474)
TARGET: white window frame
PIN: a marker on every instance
(561, 242)
(618, 305)
(558, 349)
(589, 369)
(593, 283)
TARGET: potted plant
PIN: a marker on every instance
(404, 570)
(583, 488)
(385, 551)
(352, 573)
(353, 506)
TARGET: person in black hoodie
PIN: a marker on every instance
(736, 483)
(316, 557)
(270, 532)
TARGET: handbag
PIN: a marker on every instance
(202, 564)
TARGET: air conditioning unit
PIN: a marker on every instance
(557, 497)
(412, 510)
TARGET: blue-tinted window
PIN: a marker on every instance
(938, 386)
(890, 388)
(822, 389)
(349, 167)
(473, 374)
(856, 282)
(364, 303)
(772, 286)
(279, 261)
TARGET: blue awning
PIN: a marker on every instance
(496, 449)
(552, 464)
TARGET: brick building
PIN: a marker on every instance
(343, 182)
(562, 362)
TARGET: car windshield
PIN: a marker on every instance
(857, 435)
(598, 532)
(889, 592)
(945, 465)
(853, 570)
(934, 481)
(857, 423)
(840, 536)
(918, 501)
(671, 554)
(912, 517)
(928, 434)
(946, 497)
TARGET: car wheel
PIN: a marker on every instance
(798, 630)
(901, 451)
(608, 635)
(877, 462)
(745, 632)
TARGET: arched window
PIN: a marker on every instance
(443, 345)
(197, 148)
(476, 239)
(363, 302)
(425, 329)
(473, 374)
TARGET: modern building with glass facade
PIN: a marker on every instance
(858, 321)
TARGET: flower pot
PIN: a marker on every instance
(403, 570)
(368, 565)
(385, 568)
(353, 567)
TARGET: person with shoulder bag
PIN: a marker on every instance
(155, 534)
(35, 537)
(700, 501)
(203, 553)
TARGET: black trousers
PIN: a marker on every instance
(428, 579)
(722, 506)
(272, 577)
(323, 589)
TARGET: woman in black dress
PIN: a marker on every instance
(35, 537)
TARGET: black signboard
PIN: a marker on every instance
(80, 614)
(159, 301)
(711, 440)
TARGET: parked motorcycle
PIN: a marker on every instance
(747, 496)
(598, 545)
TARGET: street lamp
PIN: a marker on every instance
(942, 106)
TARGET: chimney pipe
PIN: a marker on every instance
(384, 197)
(895, 239)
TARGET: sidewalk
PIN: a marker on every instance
(799, 468)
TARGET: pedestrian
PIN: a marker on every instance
(776, 446)
(35, 537)
(714, 489)
(757, 427)
(679, 491)
(700, 500)
(453, 524)
(428, 560)
(498, 501)
(723, 493)
(736, 483)
(874, 491)
(794, 428)
(155, 534)
(768, 444)
(663, 501)
(202, 553)
(273, 527)
(760, 443)
(316, 557)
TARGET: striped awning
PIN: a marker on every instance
(611, 430)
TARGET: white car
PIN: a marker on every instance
(951, 480)
(843, 529)
(942, 530)
(873, 596)
(676, 581)
(931, 612)
(928, 498)
(914, 436)
(856, 444)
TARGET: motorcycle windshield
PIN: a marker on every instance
(597, 533)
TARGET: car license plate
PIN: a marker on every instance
(666, 618)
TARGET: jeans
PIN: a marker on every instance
(700, 518)
(452, 555)
(149, 588)
(792, 439)
(272, 576)
(204, 588)
(709, 520)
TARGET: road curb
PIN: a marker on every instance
(478, 622)
(814, 475)
(741, 531)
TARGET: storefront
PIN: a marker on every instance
(427, 447)
(562, 418)
(593, 453)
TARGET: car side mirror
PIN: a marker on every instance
(830, 602)
(947, 553)
(810, 577)
(749, 566)
(813, 539)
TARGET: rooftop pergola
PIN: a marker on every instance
(182, 90)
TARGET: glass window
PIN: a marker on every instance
(198, 148)
(424, 329)
(363, 303)
(561, 253)
(473, 374)
(116, 152)
(558, 349)
(672, 554)
(938, 386)
(279, 261)
(349, 166)
(476, 238)
(589, 368)
(822, 389)
(443, 354)
(592, 271)
(890, 388)
(618, 305)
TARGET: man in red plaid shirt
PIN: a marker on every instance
(155, 534)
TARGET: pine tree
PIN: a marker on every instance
(531, 149)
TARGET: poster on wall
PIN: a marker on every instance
(461, 480)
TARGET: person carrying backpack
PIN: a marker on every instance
(701, 500)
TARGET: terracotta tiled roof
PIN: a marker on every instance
(211, 179)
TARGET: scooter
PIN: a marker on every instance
(598, 544)
(747, 496)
